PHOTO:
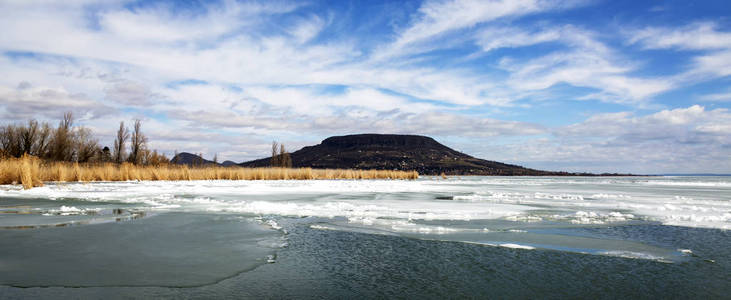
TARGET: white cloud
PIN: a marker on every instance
(250, 69)
(128, 93)
(307, 29)
(686, 135)
(683, 140)
(697, 36)
(584, 61)
(442, 124)
(351, 110)
(225, 44)
(439, 17)
(715, 59)
(509, 37)
(243, 58)
(719, 97)
(716, 64)
(28, 102)
(665, 123)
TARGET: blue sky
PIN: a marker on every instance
(600, 86)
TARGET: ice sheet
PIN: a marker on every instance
(704, 203)
(461, 209)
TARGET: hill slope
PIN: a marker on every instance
(185, 158)
(402, 152)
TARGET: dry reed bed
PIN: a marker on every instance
(31, 172)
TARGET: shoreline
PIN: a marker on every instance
(32, 172)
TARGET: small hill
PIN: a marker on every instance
(229, 163)
(401, 152)
(190, 159)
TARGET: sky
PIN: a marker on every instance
(597, 86)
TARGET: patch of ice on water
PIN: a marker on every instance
(722, 221)
(504, 245)
(516, 246)
(65, 208)
(491, 196)
(634, 255)
(321, 227)
(524, 218)
(685, 251)
(583, 217)
(434, 230)
(70, 211)
(361, 211)
(610, 196)
(687, 183)
(402, 226)
(539, 195)
(273, 224)
(579, 217)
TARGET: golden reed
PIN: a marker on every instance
(31, 172)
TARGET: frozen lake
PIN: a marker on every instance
(192, 234)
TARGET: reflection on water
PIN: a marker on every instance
(79, 222)
(90, 216)
(163, 249)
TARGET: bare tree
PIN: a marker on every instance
(280, 156)
(28, 136)
(285, 161)
(16, 140)
(4, 141)
(275, 162)
(119, 151)
(146, 155)
(198, 159)
(86, 146)
(69, 143)
(155, 159)
(215, 158)
(62, 139)
(10, 140)
(137, 143)
(40, 148)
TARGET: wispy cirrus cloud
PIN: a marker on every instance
(696, 36)
(714, 44)
(580, 60)
(436, 18)
(720, 97)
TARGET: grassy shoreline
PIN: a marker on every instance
(32, 172)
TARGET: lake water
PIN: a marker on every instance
(525, 237)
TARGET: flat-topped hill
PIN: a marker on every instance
(400, 152)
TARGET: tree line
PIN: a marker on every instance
(280, 156)
(69, 143)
